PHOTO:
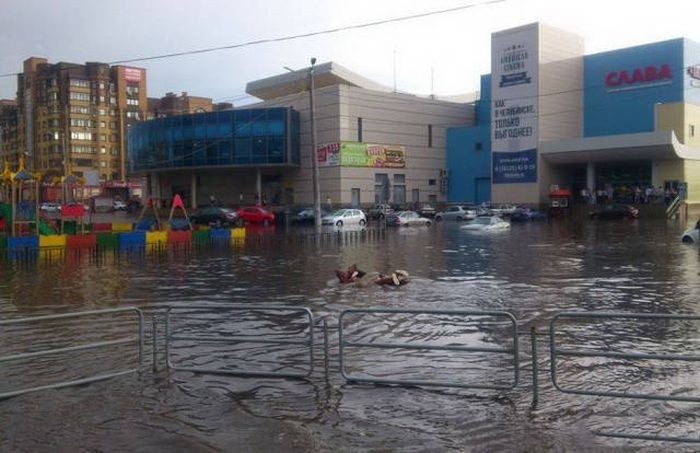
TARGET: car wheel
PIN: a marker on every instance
(428, 223)
(438, 219)
(363, 222)
(459, 218)
(339, 223)
(687, 240)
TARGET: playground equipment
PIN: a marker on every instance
(25, 201)
(142, 224)
(178, 225)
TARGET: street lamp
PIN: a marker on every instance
(314, 157)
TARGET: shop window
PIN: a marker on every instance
(359, 129)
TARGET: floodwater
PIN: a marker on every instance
(533, 271)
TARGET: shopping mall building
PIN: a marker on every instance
(374, 144)
(548, 115)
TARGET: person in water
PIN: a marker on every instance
(354, 275)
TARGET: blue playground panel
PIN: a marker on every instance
(220, 233)
(23, 246)
(132, 240)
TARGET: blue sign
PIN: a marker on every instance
(516, 167)
(518, 78)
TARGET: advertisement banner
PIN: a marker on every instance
(132, 74)
(514, 91)
(356, 154)
(328, 155)
(515, 167)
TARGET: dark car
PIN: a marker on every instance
(256, 214)
(527, 214)
(306, 215)
(214, 215)
(615, 211)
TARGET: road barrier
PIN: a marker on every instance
(81, 347)
(467, 315)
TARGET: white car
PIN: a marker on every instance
(486, 223)
(345, 217)
(691, 236)
(50, 207)
(503, 209)
(456, 213)
(406, 218)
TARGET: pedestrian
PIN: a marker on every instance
(328, 202)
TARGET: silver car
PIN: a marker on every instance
(456, 213)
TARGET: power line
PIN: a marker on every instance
(302, 35)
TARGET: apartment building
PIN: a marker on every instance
(8, 130)
(171, 105)
(76, 116)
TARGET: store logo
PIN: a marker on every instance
(639, 77)
(694, 73)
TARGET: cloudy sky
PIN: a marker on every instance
(454, 46)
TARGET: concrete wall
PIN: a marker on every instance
(387, 118)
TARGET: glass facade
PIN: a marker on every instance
(249, 137)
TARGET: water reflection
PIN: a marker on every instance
(533, 270)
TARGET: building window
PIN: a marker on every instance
(478, 146)
(692, 130)
(103, 124)
(103, 137)
(359, 129)
(79, 83)
(77, 96)
(103, 164)
(132, 102)
(432, 182)
(103, 150)
(430, 135)
(134, 115)
(399, 179)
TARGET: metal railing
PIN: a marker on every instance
(306, 341)
(467, 314)
(81, 347)
(673, 207)
(556, 352)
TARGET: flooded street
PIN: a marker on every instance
(533, 270)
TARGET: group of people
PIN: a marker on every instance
(625, 194)
(354, 275)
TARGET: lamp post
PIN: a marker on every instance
(314, 157)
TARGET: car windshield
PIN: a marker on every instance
(339, 212)
(482, 220)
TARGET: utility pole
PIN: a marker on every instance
(314, 158)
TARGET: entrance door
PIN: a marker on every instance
(355, 198)
(483, 190)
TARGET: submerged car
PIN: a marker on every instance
(691, 235)
(526, 215)
(486, 223)
(406, 218)
(345, 217)
(456, 213)
(615, 211)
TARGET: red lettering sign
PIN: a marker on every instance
(639, 75)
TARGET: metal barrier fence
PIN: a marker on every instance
(306, 341)
(556, 352)
(82, 347)
(507, 316)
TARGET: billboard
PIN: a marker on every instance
(132, 74)
(514, 107)
(357, 154)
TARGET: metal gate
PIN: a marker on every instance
(305, 337)
(556, 352)
(510, 349)
(82, 347)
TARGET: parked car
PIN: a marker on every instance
(119, 205)
(503, 209)
(256, 214)
(306, 215)
(86, 208)
(456, 213)
(524, 214)
(407, 218)
(345, 217)
(615, 211)
(427, 210)
(50, 207)
(214, 215)
(380, 210)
